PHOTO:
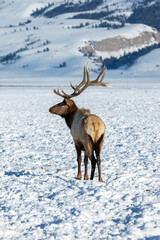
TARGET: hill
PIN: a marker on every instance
(47, 38)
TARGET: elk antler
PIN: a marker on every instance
(84, 84)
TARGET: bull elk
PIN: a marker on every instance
(87, 130)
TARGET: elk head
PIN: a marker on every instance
(64, 108)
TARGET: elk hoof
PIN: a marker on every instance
(86, 178)
(78, 178)
(100, 180)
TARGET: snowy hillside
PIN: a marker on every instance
(51, 47)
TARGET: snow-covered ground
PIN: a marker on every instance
(40, 197)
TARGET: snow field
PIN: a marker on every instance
(40, 197)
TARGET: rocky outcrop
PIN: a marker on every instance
(118, 46)
(118, 43)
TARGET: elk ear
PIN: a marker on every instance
(68, 102)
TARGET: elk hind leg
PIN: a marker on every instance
(89, 153)
(93, 166)
(86, 165)
(78, 149)
(98, 147)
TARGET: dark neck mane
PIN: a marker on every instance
(69, 118)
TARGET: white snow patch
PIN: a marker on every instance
(31, 8)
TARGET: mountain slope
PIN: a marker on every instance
(148, 15)
(34, 43)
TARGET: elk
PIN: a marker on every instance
(87, 130)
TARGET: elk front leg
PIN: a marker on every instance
(86, 165)
(79, 163)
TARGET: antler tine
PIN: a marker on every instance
(106, 85)
(88, 76)
(56, 91)
(84, 79)
(102, 72)
(76, 88)
(84, 74)
(100, 82)
(72, 86)
(64, 95)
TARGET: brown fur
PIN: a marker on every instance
(88, 133)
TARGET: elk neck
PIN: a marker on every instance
(70, 115)
(69, 118)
